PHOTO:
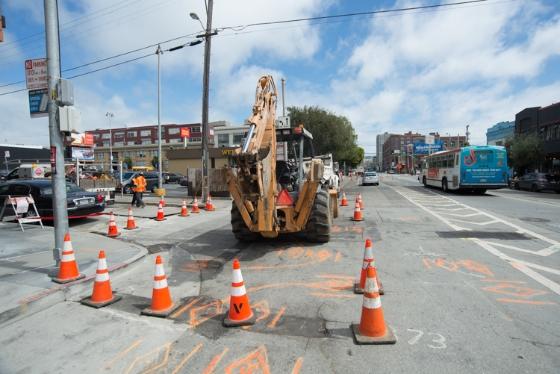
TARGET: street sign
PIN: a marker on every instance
(185, 132)
(430, 139)
(424, 148)
(85, 154)
(38, 100)
(36, 77)
(7, 154)
(283, 122)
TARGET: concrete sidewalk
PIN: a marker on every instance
(27, 265)
(152, 200)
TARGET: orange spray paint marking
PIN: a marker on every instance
(186, 359)
(476, 267)
(297, 365)
(254, 362)
(332, 295)
(514, 290)
(335, 229)
(531, 302)
(123, 353)
(323, 255)
(182, 309)
(295, 252)
(338, 256)
(309, 253)
(264, 312)
(272, 324)
(215, 361)
(203, 313)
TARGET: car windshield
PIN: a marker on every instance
(70, 187)
(127, 175)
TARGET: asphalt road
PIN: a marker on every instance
(472, 284)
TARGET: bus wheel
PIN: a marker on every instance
(444, 186)
(481, 192)
(424, 182)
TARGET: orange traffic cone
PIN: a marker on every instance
(209, 206)
(357, 213)
(372, 328)
(240, 313)
(368, 261)
(343, 202)
(184, 210)
(102, 294)
(160, 216)
(113, 230)
(130, 223)
(68, 271)
(359, 200)
(162, 305)
(195, 208)
(162, 201)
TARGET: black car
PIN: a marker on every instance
(538, 182)
(80, 203)
(150, 176)
(171, 177)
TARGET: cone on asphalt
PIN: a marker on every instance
(68, 271)
(130, 222)
(359, 200)
(162, 305)
(357, 213)
(372, 328)
(195, 208)
(344, 201)
(102, 294)
(162, 201)
(113, 230)
(160, 216)
(209, 206)
(240, 313)
(184, 210)
(368, 261)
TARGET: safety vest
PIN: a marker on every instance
(140, 183)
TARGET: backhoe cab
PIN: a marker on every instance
(272, 191)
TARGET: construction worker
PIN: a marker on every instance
(138, 190)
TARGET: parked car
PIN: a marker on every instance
(370, 177)
(151, 181)
(171, 177)
(184, 181)
(538, 182)
(80, 203)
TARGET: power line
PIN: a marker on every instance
(110, 66)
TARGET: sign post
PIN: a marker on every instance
(36, 79)
(6, 157)
(185, 134)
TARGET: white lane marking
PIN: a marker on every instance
(543, 252)
(555, 287)
(24, 255)
(462, 215)
(475, 223)
(535, 201)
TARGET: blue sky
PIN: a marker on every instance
(420, 70)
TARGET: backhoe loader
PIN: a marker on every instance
(275, 196)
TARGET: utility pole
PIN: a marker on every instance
(159, 52)
(205, 94)
(110, 115)
(60, 209)
(283, 97)
(467, 133)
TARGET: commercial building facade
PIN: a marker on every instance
(500, 133)
(379, 141)
(543, 122)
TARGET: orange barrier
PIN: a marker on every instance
(343, 201)
(240, 313)
(68, 271)
(113, 230)
(162, 201)
(162, 305)
(359, 200)
(130, 223)
(372, 328)
(195, 208)
(184, 210)
(209, 206)
(368, 261)
(160, 216)
(102, 294)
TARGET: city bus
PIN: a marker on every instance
(472, 168)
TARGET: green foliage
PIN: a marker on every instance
(331, 133)
(526, 151)
(155, 161)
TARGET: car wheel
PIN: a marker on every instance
(444, 185)
(516, 186)
(424, 182)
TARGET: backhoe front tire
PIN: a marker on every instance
(239, 228)
(318, 228)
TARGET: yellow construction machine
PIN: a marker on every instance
(274, 189)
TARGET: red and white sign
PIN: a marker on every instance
(36, 74)
(185, 132)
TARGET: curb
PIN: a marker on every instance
(58, 293)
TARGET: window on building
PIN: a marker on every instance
(195, 140)
(131, 134)
(223, 140)
(173, 131)
(106, 135)
(238, 138)
(118, 144)
(179, 140)
(140, 154)
(195, 129)
(147, 141)
(118, 134)
(146, 133)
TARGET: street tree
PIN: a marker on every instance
(526, 152)
(331, 133)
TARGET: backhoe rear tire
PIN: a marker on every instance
(318, 228)
(239, 228)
